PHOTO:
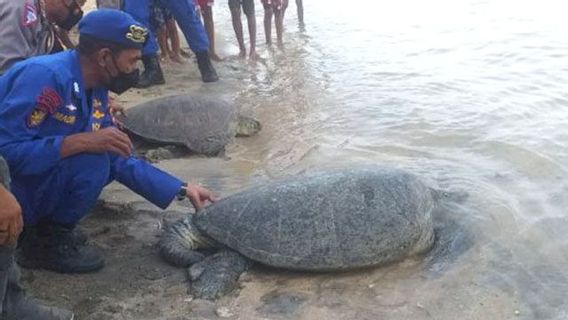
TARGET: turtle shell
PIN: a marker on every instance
(327, 221)
(202, 124)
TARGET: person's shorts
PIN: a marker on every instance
(159, 15)
(248, 5)
(204, 3)
(275, 4)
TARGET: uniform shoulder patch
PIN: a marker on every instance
(29, 14)
(48, 101)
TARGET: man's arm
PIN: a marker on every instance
(20, 35)
(10, 212)
(32, 94)
(11, 222)
(155, 185)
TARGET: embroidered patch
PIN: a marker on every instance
(48, 101)
(97, 104)
(137, 34)
(35, 118)
(65, 118)
(29, 14)
(95, 127)
(98, 115)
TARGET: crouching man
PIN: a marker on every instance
(58, 138)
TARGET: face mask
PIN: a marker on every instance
(75, 14)
(122, 81)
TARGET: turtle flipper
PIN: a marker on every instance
(217, 275)
(179, 242)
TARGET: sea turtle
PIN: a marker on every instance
(202, 124)
(328, 221)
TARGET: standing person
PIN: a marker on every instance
(206, 7)
(248, 9)
(14, 303)
(186, 16)
(62, 148)
(162, 20)
(28, 27)
(275, 8)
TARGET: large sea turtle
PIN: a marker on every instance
(329, 221)
(202, 124)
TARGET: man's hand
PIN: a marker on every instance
(11, 222)
(116, 109)
(198, 195)
(109, 139)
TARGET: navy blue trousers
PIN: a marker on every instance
(186, 16)
(67, 193)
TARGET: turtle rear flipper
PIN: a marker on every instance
(217, 275)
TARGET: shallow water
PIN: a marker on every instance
(471, 95)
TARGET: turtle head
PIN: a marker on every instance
(179, 242)
(247, 126)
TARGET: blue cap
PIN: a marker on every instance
(114, 26)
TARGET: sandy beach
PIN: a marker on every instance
(466, 94)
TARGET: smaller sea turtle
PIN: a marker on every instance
(202, 124)
(330, 221)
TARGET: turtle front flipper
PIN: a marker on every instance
(179, 242)
(217, 275)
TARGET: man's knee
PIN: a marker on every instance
(248, 8)
(233, 4)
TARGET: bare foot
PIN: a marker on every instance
(215, 57)
(177, 58)
(242, 54)
(252, 55)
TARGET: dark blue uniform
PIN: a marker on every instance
(43, 100)
(186, 17)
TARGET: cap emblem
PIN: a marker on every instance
(137, 34)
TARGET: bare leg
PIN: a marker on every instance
(238, 27)
(279, 22)
(163, 42)
(268, 23)
(207, 14)
(251, 19)
(300, 7)
(171, 34)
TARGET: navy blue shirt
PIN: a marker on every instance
(43, 100)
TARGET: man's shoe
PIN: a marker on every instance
(18, 306)
(54, 247)
(152, 74)
(208, 73)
